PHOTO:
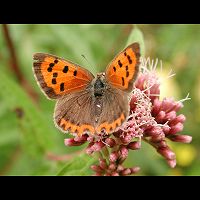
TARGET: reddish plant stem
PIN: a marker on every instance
(14, 62)
(54, 157)
(14, 65)
(11, 161)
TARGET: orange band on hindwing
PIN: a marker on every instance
(67, 126)
(112, 126)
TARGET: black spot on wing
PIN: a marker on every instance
(75, 73)
(65, 70)
(62, 88)
(55, 61)
(123, 82)
(54, 81)
(55, 74)
(129, 59)
(119, 63)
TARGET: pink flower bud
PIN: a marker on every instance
(112, 167)
(110, 141)
(181, 138)
(162, 144)
(126, 139)
(160, 117)
(123, 152)
(177, 128)
(98, 146)
(172, 163)
(170, 116)
(140, 81)
(178, 106)
(126, 171)
(167, 104)
(83, 138)
(166, 129)
(134, 145)
(96, 168)
(114, 156)
(115, 174)
(155, 132)
(156, 107)
(71, 142)
(120, 168)
(134, 170)
(89, 149)
(157, 138)
(90, 139)
(167, 153)
(102, 163)
(154, 90)
(179, 119)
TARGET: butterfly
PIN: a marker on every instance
(87, 103)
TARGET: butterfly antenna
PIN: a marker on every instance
(89, 63)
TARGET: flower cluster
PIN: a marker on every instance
(151, 120)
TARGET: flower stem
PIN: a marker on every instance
(105, 153)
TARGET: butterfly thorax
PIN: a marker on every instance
(99, 85)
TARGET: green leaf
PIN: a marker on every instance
(79, 166)
(137, 36)
(36, 135)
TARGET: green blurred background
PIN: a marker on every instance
(29, 142)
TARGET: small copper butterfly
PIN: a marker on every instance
(85, 103)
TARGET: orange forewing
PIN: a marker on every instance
(57, 76)
(123, 69)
